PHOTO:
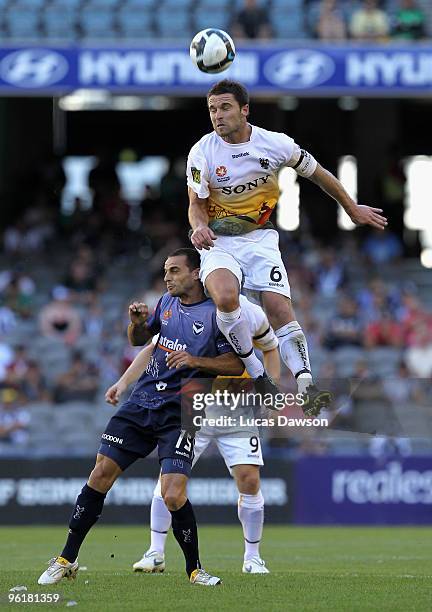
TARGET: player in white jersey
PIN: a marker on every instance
(233, 189)
(240, 451)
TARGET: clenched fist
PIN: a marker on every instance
(138, 313)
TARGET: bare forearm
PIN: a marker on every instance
(137, 367)
(198, 214)
(138, 334)
(227, 364)
(272, 364)
(334, 188)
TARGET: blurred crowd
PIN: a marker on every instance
(336, 20)
(66, 281)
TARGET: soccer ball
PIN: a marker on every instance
(212, 50)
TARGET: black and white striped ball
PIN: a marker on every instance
(212, 50)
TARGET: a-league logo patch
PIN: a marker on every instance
(196, 175)
(198, 327)
(265, 163)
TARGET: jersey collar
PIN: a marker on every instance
(240, 144)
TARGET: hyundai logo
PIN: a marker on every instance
(299, 69)
(32, 68)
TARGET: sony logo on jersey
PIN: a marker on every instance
(262, 180)
(173, 345)
(237, 155)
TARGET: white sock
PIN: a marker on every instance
(251, 516)
(160, 521)
(294, 352)
(236, 330)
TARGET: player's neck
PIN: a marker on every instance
(239, 136)
(193, 297)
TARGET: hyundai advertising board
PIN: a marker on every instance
(305, 70)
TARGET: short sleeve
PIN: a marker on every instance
(302, 161)
(285, 149)
(153, 322)
(197, 172)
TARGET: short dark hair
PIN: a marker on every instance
(192, 257)
(235, 88)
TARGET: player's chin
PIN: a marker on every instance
(173, 291)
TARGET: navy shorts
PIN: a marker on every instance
(134, 432)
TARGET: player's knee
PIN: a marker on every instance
(248, 481)
(103, 476)
(227, 300)
(174, 499)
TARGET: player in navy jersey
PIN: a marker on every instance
(189, 345)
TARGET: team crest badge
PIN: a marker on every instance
(264, 163)
(167, 314)
(196, 175)
(221, 171)
(198, 327)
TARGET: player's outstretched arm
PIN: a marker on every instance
(131, 375)
(227, 364)
(138, 331)
(202, 236)
(359, 214)
(272, 364)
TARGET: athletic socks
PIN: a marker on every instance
(88, 508)
(160, 521)
(186, 533)
(294, 352)
(236, 330)
(251, 516)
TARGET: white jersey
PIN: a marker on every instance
(264, 338)
(241, 180)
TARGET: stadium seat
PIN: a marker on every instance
(23, 24)
(383, 361)
(312, 13)
(176, 4)
(173, 23)
(103, 4)
(216, 19)
(209, 5)
(97, 22)
(288, 25)
(64, 4)
(346, 358)
(24, 5)
(135, 24)
(60, 22)
(139, 4)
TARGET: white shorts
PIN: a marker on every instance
(254, 258)
(234, 451)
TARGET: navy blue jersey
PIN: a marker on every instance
(181, 327)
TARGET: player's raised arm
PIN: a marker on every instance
(358, 213)
(202, 236)
(138, 330)
(307, 166)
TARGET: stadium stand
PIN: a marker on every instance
(75, 20)
(102, 276)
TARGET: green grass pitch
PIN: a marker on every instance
(348, 569)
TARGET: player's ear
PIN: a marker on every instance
(245, 110)
(195, 274)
